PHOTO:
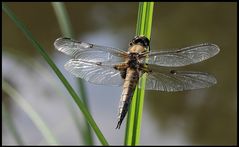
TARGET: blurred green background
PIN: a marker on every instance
(198, 117)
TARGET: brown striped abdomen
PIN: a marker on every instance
(130, 83)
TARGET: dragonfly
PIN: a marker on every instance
(105, 65)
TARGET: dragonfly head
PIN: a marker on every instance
(141, 40)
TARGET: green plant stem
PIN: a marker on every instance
(38, 47)
(144, 23)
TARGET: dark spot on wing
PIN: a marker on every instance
(98, 63)
(90, 45)
(173, 72)
(66, 38)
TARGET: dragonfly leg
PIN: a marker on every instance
(144, 68)
(143, 54)
(122, 66)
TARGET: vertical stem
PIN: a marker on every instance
(144, 23)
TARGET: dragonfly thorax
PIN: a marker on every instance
(133, 61)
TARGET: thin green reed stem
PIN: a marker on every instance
(67, 31)
(131, 114)
(144, 24)
(140, 101)
(38, 47)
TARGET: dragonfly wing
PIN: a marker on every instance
(184, 56)
(95, 72)
(166, 80)
(90, 52)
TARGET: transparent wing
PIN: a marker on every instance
(89, 52)
(184, 56)
(94, 72)
(178, 80)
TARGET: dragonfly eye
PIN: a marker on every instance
(144, 41)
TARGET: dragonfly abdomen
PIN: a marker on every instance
(130, 83)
